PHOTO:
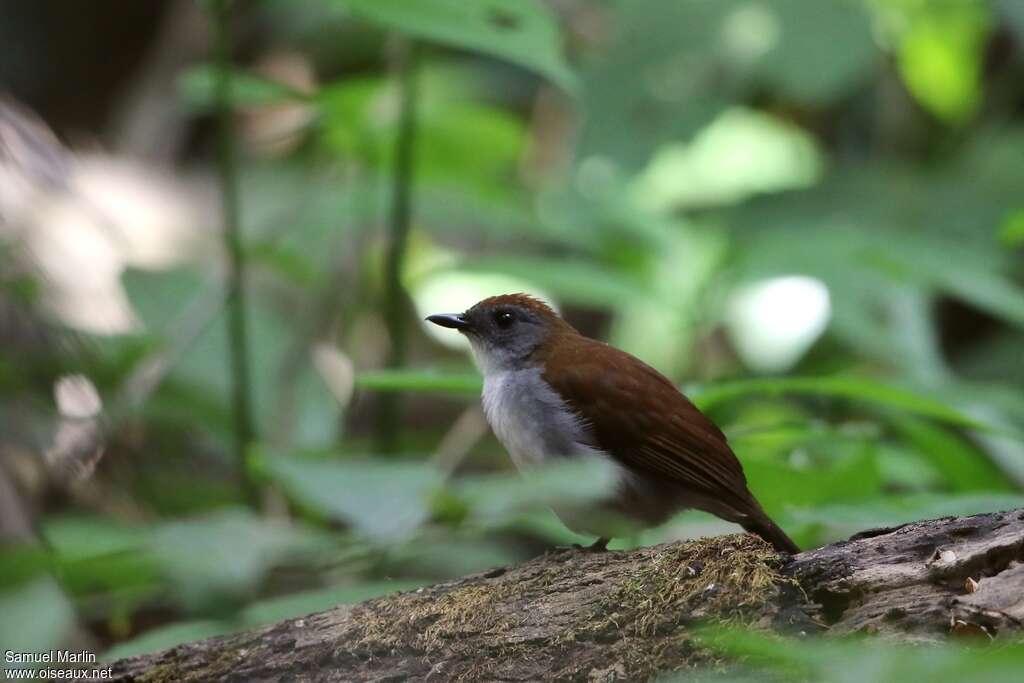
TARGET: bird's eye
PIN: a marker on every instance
(504, 319)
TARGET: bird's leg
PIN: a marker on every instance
(560, 549)
(598, 546)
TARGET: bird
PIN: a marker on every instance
(550, 392)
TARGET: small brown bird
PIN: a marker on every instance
(550, 392)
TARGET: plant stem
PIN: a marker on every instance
(395, 299)
(238, 340)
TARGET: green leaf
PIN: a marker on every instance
(284, 261)
(21, 563)
(1012, 233)
(963, 467)
(544, 524)
(158, 297)
(856, 388)
(885, 251)
(845, 519)
(445, 555)
(223, 556)
(976, 280)
(743, 152)
(940, 58)
(172, 635)
(256, 614)
(96, 556)
(381, 500)
(989, 291)
(198, 88)
(568, 484)
(522, 32)
(855, 658)
(36, 617)
(472, 146)
(450, 149)
(650, 84)
(84, 537)
(168, 301)
(306, 602)
(821, 51)
(780, 486)
(420, 381)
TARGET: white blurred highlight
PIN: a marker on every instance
(743, 152)
(750, 31)
(336, 370)
(78, 442)
(76, 397)
(277, 129)
(113, 215)
(772, 323)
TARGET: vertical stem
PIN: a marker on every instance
(238, 340)
(395, 308)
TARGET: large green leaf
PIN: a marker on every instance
(861, 389)
(99, 556)
(940, 57)
(846, 518)
(296, 604)
(522, 32)
(79, 537)
(765, 656)
(985, 288)
(36, 617)
(445, 554)
(159, 296)
(164, 637)
(573, 483)
(822, 50)
(461, 142)
(198, 87)
(256, 614)
(1011, 234)
(963, 466)
(169, 301)
(383, 500)
(214, 560)
(886, 241)
(779, 486)
(667, 68)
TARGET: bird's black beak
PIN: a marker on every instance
(456, 321)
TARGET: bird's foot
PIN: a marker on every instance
(598, 546)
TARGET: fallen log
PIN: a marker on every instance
(576, 615)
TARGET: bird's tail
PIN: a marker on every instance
(762, 525)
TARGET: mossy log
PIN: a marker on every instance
(576, 615)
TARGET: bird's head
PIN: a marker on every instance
(507, 331)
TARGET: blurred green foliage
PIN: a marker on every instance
(638, 162)
(769, 657)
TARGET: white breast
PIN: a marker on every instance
(535, 426)
(532, 422)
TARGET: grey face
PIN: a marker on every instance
(502, 336)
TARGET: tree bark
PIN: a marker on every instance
(577, 615)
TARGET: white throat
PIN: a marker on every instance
(530, 419)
